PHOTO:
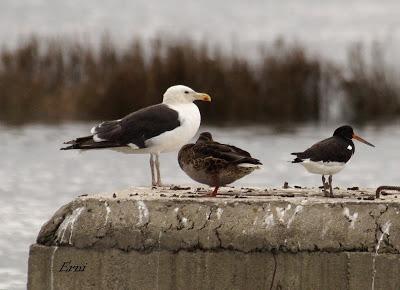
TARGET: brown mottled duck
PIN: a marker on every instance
(215, 164)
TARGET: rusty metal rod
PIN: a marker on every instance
(386, 187)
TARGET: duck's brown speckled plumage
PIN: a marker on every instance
(215, 164)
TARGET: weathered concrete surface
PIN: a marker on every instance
(114, 269)
(174, 239)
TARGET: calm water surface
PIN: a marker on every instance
(36, 178)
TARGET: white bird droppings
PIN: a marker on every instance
(297, 209)
(269, 220)
(385, 231)
(68, 222)
(208, 215)
(351, 217)
(280, 212)
(108, 212)
(325, 228)
(52, 268)
(255, 221)
(219, 213)
(143, 213)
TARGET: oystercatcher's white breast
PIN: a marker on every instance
(323, 168)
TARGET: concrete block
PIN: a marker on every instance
(244, 239)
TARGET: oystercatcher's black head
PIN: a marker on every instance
(205, 137)
(344, 131)
(347, 132)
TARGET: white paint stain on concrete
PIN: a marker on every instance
(351, 217)
(143, 213)
(219, 213)
(385, 231)
(68, 222)
(297, 209)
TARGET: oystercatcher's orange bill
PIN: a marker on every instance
(362, 140)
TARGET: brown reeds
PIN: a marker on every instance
(372, 91)
(65, 80)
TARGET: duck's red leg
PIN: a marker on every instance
(214, 193)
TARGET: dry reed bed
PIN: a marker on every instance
(57, 80)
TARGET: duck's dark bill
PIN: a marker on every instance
(362, 140)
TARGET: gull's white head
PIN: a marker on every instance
(182, 95)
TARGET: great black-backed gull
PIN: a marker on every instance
(329, 156)
(215, 164)
(156, 129)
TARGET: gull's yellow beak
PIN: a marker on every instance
(202, 97)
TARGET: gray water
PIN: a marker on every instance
(36, 178)
(327, 27)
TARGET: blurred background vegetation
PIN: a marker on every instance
(44, 80)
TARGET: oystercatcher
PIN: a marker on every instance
(215, 164)
(156, 129)
(329, 156)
